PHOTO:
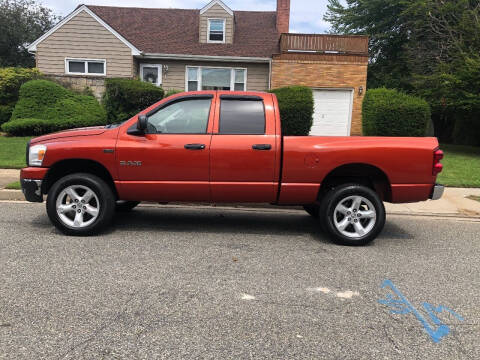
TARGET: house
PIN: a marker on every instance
(211, 48)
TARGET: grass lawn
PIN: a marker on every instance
(461, 166)
(14, 186)
(12, 152)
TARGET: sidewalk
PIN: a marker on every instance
(453, 203)
(8, 176)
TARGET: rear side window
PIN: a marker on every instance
(245, 117)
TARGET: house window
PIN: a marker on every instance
(85, 67)
(210, 78)
(239, 80)
(151, 73)
(216, 79)
(192, 79)
(216, 31)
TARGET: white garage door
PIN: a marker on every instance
(332, 112)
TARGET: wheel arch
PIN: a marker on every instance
(365, 174)
(71, 166)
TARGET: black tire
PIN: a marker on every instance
(105, 205)
(342, 195)
(313, 210)
(125, 206)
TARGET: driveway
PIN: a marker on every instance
(183, 282)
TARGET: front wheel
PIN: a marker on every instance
(80, 204)
(353, 214)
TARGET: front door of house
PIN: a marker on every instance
(151, 73)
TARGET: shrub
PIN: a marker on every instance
(124, 98)
(296, 109)
(11, 79)
(26, 127)
(6, 112)
(45, 106)
(173, 92)
(387, 112)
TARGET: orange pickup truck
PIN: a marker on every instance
(226, 147)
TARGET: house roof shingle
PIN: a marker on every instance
(176, 31)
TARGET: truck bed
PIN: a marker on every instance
(405, 162)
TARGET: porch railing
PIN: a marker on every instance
(319, 43)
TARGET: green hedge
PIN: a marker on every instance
(44, 106)
(6, 112)
(296, 109)
(124, 98)
(173, 92)
(387, 112)
(21, 127)
(11, 79)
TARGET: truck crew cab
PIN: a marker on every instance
(226, 147)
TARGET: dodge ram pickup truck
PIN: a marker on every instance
(226, 147)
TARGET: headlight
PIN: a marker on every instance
(36, 155)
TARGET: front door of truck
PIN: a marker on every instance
(170, 162)
(243, 151)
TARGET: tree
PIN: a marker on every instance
(385, 24)
(21, 22)
(410, 37)
(427, 47)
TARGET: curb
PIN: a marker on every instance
(17, 196)
(436, 215)
(12, 195)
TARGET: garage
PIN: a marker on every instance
(332, 112)
(335, 68)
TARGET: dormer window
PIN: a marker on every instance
(216, 31)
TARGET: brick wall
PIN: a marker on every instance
(325, 74)
(283, 16)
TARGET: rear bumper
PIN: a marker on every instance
(32, 190)
(437, 192)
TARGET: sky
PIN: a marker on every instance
(306, 16)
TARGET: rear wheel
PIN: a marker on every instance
(352, 214)
(80, 204)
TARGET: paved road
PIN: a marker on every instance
(222, 283)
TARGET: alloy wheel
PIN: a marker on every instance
(77, 206)
(354, 216)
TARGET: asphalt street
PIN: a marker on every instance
(221, 283)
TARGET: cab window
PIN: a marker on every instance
(182, 117)
(245, 117)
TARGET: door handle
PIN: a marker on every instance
(261, 147)
(194, 146)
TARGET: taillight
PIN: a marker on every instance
(437, 166)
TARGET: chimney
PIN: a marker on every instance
(283, 16)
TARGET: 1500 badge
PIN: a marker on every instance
(130, 163)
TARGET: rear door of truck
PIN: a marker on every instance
(245, 149)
